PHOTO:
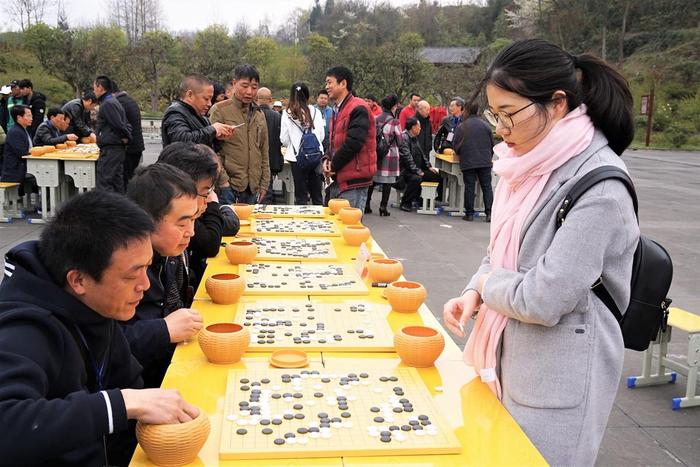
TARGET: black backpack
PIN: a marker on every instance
(652, 271)
(382, 144)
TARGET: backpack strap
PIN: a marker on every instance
(585, 183)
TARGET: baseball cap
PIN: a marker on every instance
(14, 83)
(5, 89)
(277, 104)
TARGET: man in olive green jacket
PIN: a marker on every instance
(245, 154)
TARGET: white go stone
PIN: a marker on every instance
(313, 424)
(326, 435)
(231, 418)
(276, 387)
(420, 432)
(336, 424)
(314, 435)
(242, 422)
(288, 412)
(302, 440)
(291, 441)
(399, 437)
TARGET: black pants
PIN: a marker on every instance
(484, 176)
(413, 181)
(131, 161)
(386, 192)
(109, 170)
(306, 183)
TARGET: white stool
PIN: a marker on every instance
(9, 202)
(428, 192)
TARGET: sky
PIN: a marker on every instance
(193, 15)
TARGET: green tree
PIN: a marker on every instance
(215, 53)
(158, 54)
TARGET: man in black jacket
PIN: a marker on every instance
(474, 145)
(17, 144)
(185, 119)
(66, 371)
(79, 111)
(415, 165)
(163, 317)
(51, 131)
(113, 135)
(134, 150)
(36, 101)
(209, 225)
(274, 123)
(445, 136)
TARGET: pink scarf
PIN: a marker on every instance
(522, 180)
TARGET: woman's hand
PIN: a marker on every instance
(459, 310)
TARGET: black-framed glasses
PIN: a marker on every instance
(504, 117)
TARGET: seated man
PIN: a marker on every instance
(65, 367)
(50, 132)
(163, 317)
(415, 165)
(209, 225)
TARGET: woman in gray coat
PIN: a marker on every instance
(544, 343)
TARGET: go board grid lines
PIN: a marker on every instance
(331, 394)
(294, 249)
(276, 210)
(296, 227)
(302, 279)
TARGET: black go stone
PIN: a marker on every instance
(417, 427)
(267, 431)
(385, 439)
(245, 388)
(383, 379)
(288, 416)
(298, 406)
(245, 381)
(241, 431)
(289, 435)
(302, 430)
(375, 409)
(279, 441)
(318, 394)
(385, 433)
(405, 427)
(276, 421)
(394, 428)
(378, 419)
(299, 416)
(264, 422)
(397, 410)
(276, 396)
(345, 414)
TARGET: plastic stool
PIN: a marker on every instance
(428, 192)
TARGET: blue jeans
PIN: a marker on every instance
(230, 196)
(356, 196)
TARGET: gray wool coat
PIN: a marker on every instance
(561, 352)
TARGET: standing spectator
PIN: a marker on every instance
(50, 132)
(14, 97)
(219, 93)
(273, 119)
(301, 118)
(410, 110)
(326, 114)
(113, 135)
(425, 138)
(352, 152)
(134, 150)
(374, 107)
(17, 144)
(445, 136)
(246, 176)
(474, 144)
(79, 111)
(437, 113)
(415, 165)
(277, 107)
(388, 169)
(36, 101)
(185, 119)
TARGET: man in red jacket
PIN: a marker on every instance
(352, 153)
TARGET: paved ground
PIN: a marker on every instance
(441, 252)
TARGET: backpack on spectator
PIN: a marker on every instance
(652, 271)
(309, 153)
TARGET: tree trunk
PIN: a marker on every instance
(621, 45)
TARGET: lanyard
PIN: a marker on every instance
(102, 368)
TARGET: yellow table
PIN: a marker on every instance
(488, 434)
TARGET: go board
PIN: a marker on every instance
(294, 227)
(309, 413)
(298, 249)
(352, 326)
(302, 279)
(289, 210)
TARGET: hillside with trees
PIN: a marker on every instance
(652, 42)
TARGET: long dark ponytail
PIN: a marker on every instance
(535, 68)
(298, 106)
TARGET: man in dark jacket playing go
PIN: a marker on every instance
(113, 135)
(66, 371)
(185, 119)
(163, 318)
(79, 112)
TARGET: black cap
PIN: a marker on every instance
(14, 83)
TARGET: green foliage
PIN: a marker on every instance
(677, 133)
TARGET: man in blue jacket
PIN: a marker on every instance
(68, 383)
(113, 135)
(163, 318)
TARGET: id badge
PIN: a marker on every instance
(450, 136)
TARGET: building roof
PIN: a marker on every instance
(451, 55)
